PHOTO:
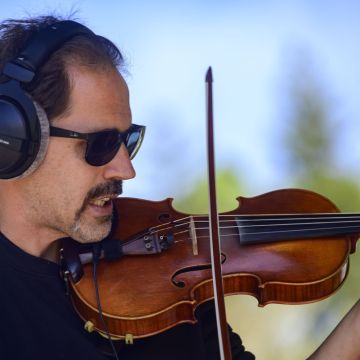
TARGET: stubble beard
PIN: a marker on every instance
(84, 230)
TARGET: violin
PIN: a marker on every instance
(288, 246)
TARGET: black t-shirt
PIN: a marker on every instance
(39, 322)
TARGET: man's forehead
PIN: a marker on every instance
(105, 84)
(98, 99)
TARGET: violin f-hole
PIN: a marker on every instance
(181, 284)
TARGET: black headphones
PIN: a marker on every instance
(24, 127)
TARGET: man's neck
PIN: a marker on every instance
(52, 252)
(35, 240)
(21, 226)
(33, 245)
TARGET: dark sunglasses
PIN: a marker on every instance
(102, 146)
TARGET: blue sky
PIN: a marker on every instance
(250, 46)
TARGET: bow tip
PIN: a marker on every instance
(209, 77)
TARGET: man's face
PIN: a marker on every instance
(65, 195)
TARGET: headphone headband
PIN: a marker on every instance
(41, 45)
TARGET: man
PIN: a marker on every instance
(62, 185)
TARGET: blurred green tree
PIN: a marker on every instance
(310, 130)
(228, 187)
(309, 139)
(309, 142)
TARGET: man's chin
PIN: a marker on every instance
(84, 232)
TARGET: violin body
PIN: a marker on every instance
(143, 295)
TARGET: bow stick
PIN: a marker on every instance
(223, 336)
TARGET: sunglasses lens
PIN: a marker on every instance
(103, 147)
(134, 140)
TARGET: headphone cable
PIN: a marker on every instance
(96, 257)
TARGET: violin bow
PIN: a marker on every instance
(223, 336)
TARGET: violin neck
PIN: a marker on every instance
(254, 229)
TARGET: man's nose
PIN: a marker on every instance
(120, 167)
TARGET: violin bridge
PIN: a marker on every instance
(193, 236)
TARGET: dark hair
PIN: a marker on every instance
(51, 86)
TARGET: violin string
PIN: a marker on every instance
(275, 225)
(256, 218)
(336, 221)
(182, 222)
(223, 236)
(259, 217)
(285, 231)
(282, 217)
(277, 230)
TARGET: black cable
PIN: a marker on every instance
(96, 257)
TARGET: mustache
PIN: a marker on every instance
(110, 188)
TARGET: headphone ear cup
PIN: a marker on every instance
(21, 123)
(43, 123)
